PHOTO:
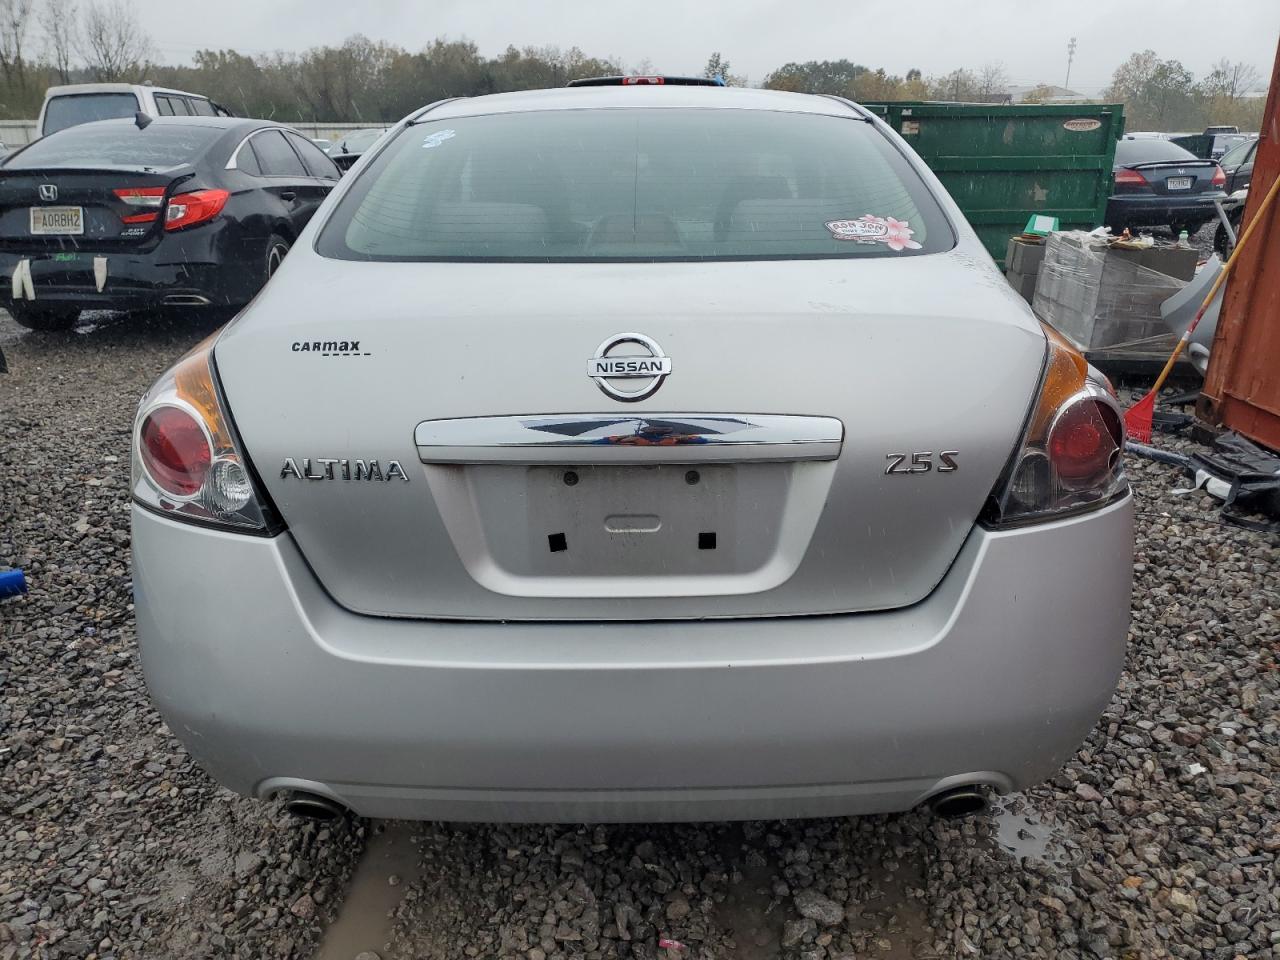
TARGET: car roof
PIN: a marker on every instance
(217, 123)
(648, 95)
(80, 88)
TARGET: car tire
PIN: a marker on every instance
(44, 318)
(277, 250)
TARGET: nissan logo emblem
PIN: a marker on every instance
(627, 357)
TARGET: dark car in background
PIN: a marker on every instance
(352, 147)
(176, 212)
(1237, 165)
(1158, 183)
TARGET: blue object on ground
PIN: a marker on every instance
(12, 583)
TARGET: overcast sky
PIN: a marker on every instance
(1028, 36)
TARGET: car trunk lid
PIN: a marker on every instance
(433, 438)
(108, 208)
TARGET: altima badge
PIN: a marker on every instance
(629, 357)
(335, 468)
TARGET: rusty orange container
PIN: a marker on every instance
(1242, 386)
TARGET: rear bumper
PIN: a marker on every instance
(995, 678)
(1157, 211)
(187, 273)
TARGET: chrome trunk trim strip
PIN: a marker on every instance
(614, 438)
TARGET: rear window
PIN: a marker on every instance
(633, 183)
(1150, 151)
(72, 109)
(1238, 154)
(117, 145)
(359, 141)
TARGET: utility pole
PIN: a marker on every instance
(1071, 57)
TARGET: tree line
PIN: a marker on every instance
(43, 42)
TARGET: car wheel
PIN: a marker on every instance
(44, 318)
(277, 249)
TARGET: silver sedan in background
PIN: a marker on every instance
(633, 452)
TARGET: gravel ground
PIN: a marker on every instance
(1159, 838)
(112, 842)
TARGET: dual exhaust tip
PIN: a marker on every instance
(950, 804)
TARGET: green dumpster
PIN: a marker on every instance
(1004, 163)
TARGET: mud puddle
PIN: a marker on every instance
(391, 862)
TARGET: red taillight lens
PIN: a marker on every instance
(141, 196)
(633, 81)
(144, 198)
(175, 450)
(199, 206)
(1219, 177)
(1085, 442)
(1130, 178)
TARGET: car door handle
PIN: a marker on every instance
(628, 438)
(289, 195)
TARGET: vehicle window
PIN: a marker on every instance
(247, 160)
(117, 144)
(76, 108)
(276, 156)
(318, 165)
(1237, 154)
(651, 184)
(359, 142)
(1150, 151)
(200, 107)
(164, 106)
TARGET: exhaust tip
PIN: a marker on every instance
(312, 806)
(186, 300)
(959, 802)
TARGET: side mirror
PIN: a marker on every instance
(142, 120)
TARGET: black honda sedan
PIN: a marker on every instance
(150, 213)
(1158, 183)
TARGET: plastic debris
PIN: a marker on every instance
(12, 583)
(665, 944)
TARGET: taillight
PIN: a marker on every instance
(1070, 457)
(187, 462)
(176, 450)
(633, 81)
(199, 206)
(1130, 178)
(1219, 177)
(148, 199)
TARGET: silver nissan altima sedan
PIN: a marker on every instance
(633, 452)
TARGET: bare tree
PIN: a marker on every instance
(15, 18)
(993, 82)
(112, 41)
(58, 21)
(1231, 81)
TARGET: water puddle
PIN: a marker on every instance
(1021, 832)
(364, 920)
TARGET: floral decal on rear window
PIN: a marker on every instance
(868, 228)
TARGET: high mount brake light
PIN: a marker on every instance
(1070, 458)
(199, 206)
(632, 81)
(187, 462)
